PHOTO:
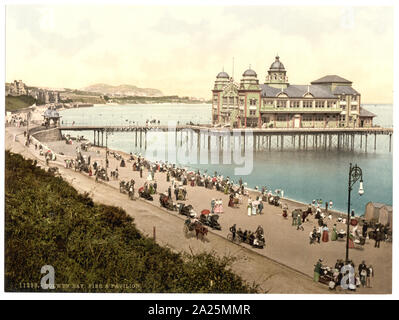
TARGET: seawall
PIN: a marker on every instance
(48, 135)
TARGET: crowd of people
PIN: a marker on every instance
(256, 239)
(180, 179)
(16, 120)
(344, 275)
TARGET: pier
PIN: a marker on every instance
(261, 139)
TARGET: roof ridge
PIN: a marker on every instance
(331, 78)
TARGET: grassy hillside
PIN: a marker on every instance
(47, 222)
(18, 102)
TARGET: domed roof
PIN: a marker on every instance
(249, 73)
(277, 65)
(222, 75)
(55, 114)
(49, 113)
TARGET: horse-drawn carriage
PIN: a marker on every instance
(145, 194)
(186, 210)
(102, 174)
(274, 200)
(328, 276)
(166, 202)
(123, 187)
(191, 226)
(255, 240)
(210, 220)
(360, 241)
(384, 233)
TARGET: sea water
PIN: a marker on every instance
(303, 175)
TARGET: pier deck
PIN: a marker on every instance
(261, 138)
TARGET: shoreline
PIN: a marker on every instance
(284, 244)
(283, 275)
(335, 213)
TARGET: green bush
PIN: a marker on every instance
(49, 223)
(14, 103)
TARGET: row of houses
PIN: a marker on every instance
(46, 96)
(19, 88)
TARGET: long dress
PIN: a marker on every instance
(351, 244)
(254, 210)
(231, 202)
(220, 206)
(325, 235)
(249, 209)
(334, 235)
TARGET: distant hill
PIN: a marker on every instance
(123, 90)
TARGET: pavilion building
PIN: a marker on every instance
(329, 102)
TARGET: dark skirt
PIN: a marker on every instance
(325, 236)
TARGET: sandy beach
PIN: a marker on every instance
(286, 263)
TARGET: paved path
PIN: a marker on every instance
(284, 243)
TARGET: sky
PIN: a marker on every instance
(181, 49)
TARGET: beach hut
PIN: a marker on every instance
(372, 211)
(385, 217)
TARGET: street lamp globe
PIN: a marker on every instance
(361, 190)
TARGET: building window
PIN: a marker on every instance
(294, 103)
(319, 104)
(307, 118)
(308, 104)
(281, 118)
(252, 112)
(281, 103)
(330, 104)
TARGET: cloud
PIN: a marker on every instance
(180, 49)
(42, 24)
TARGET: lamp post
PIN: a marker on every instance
(106, 152)
(107, 132)
(355, 173)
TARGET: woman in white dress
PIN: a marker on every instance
(249, 207)
(220, 206)
(254, 207)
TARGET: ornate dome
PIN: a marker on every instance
(49, 113)
(55, 114)
(249, 73)
(222, 75)
(277, 65)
